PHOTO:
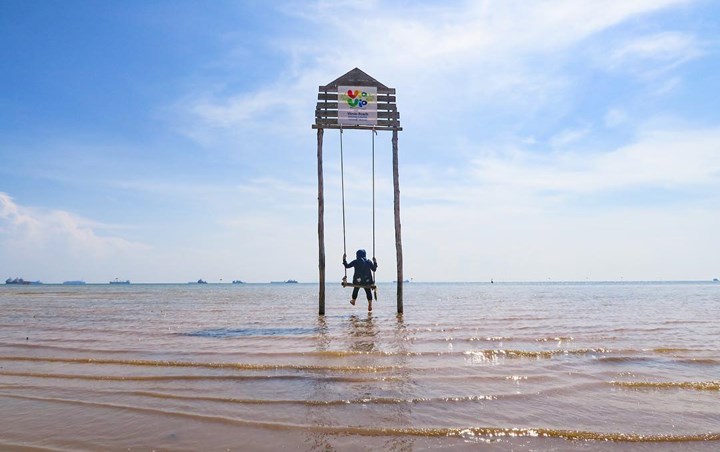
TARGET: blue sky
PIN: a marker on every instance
(543, 140)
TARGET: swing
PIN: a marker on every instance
(344, 281)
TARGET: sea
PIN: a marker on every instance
(627, 366)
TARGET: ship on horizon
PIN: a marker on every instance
(20, 281)
(117, 281)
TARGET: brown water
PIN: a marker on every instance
(252, 367)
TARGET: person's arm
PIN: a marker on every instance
(350, 265)
(374, 264)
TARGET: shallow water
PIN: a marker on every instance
(627, 366)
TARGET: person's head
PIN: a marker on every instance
(361, 254)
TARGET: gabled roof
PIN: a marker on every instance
(355, 77)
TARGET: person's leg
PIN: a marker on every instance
(368, 293)
(354, 295)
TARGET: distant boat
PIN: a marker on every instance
(117, 281)
(716, 280)
(20, 281)
(289, 281)
(199, 281)
(73, 283)
(237, 281)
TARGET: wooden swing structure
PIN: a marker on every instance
(357, 101)
(345, 283)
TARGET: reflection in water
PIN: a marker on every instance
(364, 337)
(362, 333)
(399, 414)
(401, 337)
(319, 440)
(323, 338)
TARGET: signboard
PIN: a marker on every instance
(357, 105)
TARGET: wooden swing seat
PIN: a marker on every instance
(362, 286)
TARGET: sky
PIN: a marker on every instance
(543, 140)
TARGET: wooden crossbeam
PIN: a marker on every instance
(357, 127)
(380, 122)
(334, 106)
(380, 89)
(328, 114)
(334, 96)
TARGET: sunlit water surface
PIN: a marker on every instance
(631, 366)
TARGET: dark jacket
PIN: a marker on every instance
(363, 268)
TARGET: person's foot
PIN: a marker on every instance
(352, 302)
(369, 305)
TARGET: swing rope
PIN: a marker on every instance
(342, 185)
(374, 132)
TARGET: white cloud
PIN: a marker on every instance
(470, 31)
(490, 50)
(569, 136)
(255, 194)
(502, 212)
(520, 215)
(633, 243)
(653, 55)
(615, 117)
(29, 238)
(247, 109)
(659, 159)
(14, 218)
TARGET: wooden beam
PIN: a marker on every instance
(398, 234)
(380, 89)
(358, 127)
(329, 114)
(321, 224)
(379, 123)
(329, 95)
(329, 105)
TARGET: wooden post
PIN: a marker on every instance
(321, 223)
(398, 235)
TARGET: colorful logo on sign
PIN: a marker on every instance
(357, 105)
(357, 98)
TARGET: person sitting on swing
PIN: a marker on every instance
(363, 275)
